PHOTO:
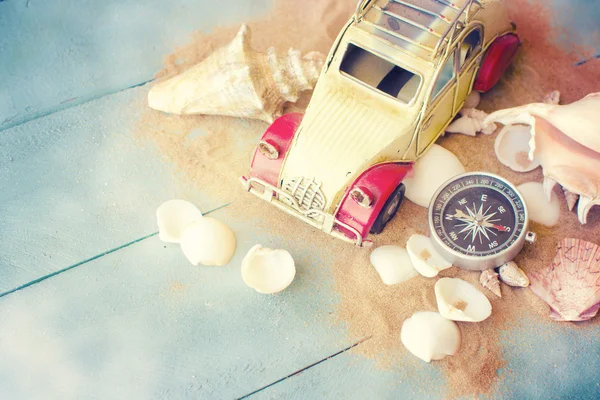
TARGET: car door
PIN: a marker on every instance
(440, 109)
(469, 57)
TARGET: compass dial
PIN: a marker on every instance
(478, 215)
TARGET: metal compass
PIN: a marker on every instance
(478, 221)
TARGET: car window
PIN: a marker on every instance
(469, 46)
(380, 74)
(446, 74)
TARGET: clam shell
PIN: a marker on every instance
(268, 271)
(425, 259)
(208, 242)
(237, 81)
(430, 336)
(458, 300)
(173, 216)
(541, 208)
(571, 284)
(429, 173)
(393, 264)
(489, 280)
(512, 275)
(512, 148)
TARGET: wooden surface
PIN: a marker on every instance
(93, 305)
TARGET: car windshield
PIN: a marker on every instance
(380, 74)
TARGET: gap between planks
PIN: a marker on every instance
(304, 369)
(15, 120)
(97, 256)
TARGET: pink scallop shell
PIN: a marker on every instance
(571, 285)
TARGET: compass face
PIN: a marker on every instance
(478, 215)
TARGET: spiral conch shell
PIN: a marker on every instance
(237, 81)
(489, 280)
(571, 284)
(565, 140)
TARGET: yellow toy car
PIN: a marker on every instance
(396, 76)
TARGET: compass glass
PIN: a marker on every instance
(478, 215)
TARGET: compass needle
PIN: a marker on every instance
(478, 220)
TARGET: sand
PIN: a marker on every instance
(367, 307)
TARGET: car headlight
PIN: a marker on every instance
(268, 150)
(362, 196)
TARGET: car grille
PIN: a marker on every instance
(307, 193)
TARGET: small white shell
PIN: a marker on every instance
(393, 264)
(268, 271)
(552, 97)
(539, 208)
(425, 259)
(462, 125)
(472, 99)
(430, 336)
(471, 122)
(512, 275)
(429, 173)
(173, 217)
(458, 300)
(512, 148)
(489, 280)
(208, 242)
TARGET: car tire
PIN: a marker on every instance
(389, 209)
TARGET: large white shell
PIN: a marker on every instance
(540, 209)
(430, 172)
(430, 336)
(208, 242)
(458, 300)
(425, 259)
(268, 271)
(239, 82)
(173, 217)
(393, 264)
(512, 148)
(565, 140)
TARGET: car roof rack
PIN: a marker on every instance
(425, 28)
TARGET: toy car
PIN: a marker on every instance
(396, 76)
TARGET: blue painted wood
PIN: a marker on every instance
(545, 360)
(579, 21)
(57, 53)
(77, 183)
(142, 323)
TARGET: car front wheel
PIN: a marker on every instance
(389, 209)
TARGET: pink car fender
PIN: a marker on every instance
(274, 144)
(379, 181)
(497, 59)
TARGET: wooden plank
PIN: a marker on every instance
(545, 360)
(579, 22)
(55, 54)
(142, 323)
(75, 184)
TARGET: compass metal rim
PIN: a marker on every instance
(474, 262)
